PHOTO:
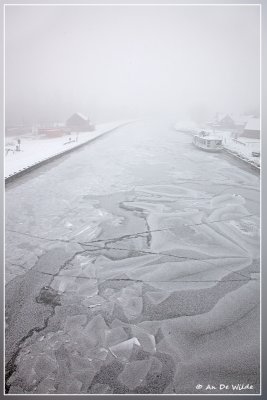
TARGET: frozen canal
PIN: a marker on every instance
(132, 266)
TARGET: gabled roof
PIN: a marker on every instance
(220, 117)
(239, 119)
(81, 116)
(253, 124)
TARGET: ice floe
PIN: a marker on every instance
(134, 374)
(123, 350)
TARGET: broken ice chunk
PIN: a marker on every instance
(115, 336)
(132, 306)
(69, 272)
(99, 353)
(95, 331)
(117, 322)
(134, 373)
(74, 323)
(85, 376)
(108, 293)
(93, 301)
(166, 346)
(157, 297)
(54, 341)
(16, 390)
(100, 388)
(124, 349)
(169, 389)
(89, 288)
(108, 308)
(146, 340)
(131, 301)
(62, 282)
(134, 290)
(88, 271)
(44, 366)
(25, 373)
(89, 304)
(74, 387)
(79, 363)
(47, 386)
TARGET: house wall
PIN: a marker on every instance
(251, 134)
(75, 121)
(227, 122)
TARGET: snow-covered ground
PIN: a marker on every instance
(35, 149)
(243, 148)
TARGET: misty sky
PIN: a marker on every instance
(125, 62)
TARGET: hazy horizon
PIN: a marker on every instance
(113, 63)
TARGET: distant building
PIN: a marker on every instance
(225, 121)
(233, 123)
(252, 129)
(222, 122)
(79, 123)
(240, 122)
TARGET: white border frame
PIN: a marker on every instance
(260, 62)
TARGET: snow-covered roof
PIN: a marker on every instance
(220, 117)
(239, 119)
(81, 116)
(253, 124)
(212, 137)
(209, 137)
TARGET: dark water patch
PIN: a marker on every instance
(108, 376)
(49, 296)
(188, 302)
(157, 382)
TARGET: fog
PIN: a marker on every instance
(130, 62)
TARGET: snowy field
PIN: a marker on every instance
(133, 267)
(35, 149)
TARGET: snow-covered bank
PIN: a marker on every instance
(244, 148)
(35, 150)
